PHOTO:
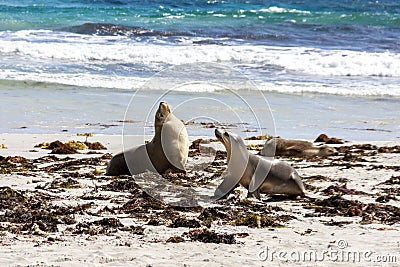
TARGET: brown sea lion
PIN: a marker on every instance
(277, 146)
(168, 150)
(255, 173)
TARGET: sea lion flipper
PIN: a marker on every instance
(255, 194)
(225, 188)
(117, 166)
(260, 173)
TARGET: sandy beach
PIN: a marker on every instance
(61, 210)
(82, 80)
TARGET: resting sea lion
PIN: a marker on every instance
(277, 146)
(168, 150)
(255, 173)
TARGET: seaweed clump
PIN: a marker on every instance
(34, 213)
(392, 180)
(181, 221)
(13, 164)
(209, 236)
(70, 147)
(370, 213)
(60, 183)
(103, 226)
(256, 220)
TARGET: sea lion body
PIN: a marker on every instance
(168, 150)
(277, 146)
(255, 173)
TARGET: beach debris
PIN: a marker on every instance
(17, 159)
(208, 124)
(336, 223)
(60, 148)
(103, 226)
(307, 232)
(196, 144)
(255, 147)
(9, 194)
(126, 121)
(37, 211)
(175, 239)
(212, 214)
(122, 184)
(3, 146)
(44, 145)
(137, 230)
(363, 149)
(210, 236)
(334, 189)
(249, 130)
(392, 180)
(95, 146)
(259, 137)
(370, 213)
(212, 125)
(70, 147)
(256, 220)
(33, 213)
(87, 135)
(12, 164)
(64, 183)
(389, 149)
(99, 171)
(385, 198)
(76, 145)
(182, 221)
(323, 138)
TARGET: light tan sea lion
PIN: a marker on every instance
(255, 173)
(277, 146)
(168, 150)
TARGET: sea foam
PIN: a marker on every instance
(40, 55)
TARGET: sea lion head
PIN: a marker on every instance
(230, 140)
(327, 151)
(164, 110)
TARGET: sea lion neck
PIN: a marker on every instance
(157, 135)
(163, 112)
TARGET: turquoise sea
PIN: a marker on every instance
(323, 66)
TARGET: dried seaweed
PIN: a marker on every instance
(209, 236)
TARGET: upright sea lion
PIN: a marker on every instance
(255, 173)
(277, 146)
(168, 150)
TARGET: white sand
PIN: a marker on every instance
(372, 243)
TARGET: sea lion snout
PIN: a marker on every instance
(165, 106)
(297, 186)
(222, 136)
(163, 111)
(218, 133)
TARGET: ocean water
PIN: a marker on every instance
(323, 66)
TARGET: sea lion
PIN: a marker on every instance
(255, 173)
(277, 146)
(168, 150)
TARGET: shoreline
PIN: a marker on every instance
(295, 116)
(348, 202)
